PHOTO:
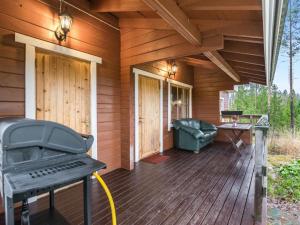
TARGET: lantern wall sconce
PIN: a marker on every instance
(171, 68)
(65, 23)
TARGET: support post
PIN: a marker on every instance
(261, 152)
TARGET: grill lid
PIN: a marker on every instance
(18, 133)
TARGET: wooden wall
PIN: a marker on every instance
(33, 18)
(208, 82)
(185, 74)
(140, 46)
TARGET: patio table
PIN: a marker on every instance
(234, 133)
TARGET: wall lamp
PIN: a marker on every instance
(65, 23)
(171, 68)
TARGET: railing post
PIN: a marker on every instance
(261, 153)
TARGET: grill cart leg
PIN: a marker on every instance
(9, 211)
(87, 200)
(25, 219)
(51, 199)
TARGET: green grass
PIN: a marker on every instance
(284, 180)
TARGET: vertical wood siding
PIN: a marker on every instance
(32, 18)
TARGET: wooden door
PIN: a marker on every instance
(149, 116)
(63, 91)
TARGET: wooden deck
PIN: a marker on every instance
(213, 187)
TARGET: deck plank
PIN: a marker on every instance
(213, 187)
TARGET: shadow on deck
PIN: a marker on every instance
(213, 187)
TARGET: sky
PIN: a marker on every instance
(281, 78)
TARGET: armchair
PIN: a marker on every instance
(190, 134)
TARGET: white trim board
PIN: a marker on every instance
(179, 83)
(138, 72)
(56, 48)
(30, 78)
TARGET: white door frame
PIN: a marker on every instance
(138, 72)
(30, 78)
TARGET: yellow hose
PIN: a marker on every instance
(110, 198)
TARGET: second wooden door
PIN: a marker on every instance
(149, 116)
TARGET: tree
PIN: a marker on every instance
(291, 47)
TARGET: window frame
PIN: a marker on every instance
(180, 85)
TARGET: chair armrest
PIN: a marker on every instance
(208, 127)
(192, 131)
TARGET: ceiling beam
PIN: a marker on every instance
(198, 62)
(176, 18)
(221, 4)
(253, 76)
(119, 6)
(257, 73)
(217, 59)
(244, 48)
(241, 65)
(244, 39)
(241, 29)
(192, 5)
(249, 59)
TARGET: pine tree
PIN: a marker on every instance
(291, 47)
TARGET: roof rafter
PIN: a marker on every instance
(217, 59)
(208, 5)
(177, 19)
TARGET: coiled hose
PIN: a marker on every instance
(110, 198)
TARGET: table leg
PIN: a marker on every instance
(9, 211)
(87, 200)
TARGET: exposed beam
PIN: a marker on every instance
(256, 73)
(221, 4)
(210, 43)
(241, 65)
(236, 29)
(217, 59)
(119, 6)
(176, 18)
(246, 30)
(244, 39)
(249, 59)
(252, 76)
(194, 5)
(198, 62)
(244, 48)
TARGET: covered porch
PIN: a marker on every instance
(213, 187)
(93, 78)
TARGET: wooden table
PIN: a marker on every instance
(236, 133)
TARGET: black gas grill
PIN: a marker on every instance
(38, 157)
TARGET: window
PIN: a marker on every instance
(179, 101)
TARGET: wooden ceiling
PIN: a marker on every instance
(239, 21)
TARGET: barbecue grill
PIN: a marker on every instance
(38, 157)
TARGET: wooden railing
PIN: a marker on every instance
(245, 118)
(260, 170)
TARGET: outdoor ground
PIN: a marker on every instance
(283, 204)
